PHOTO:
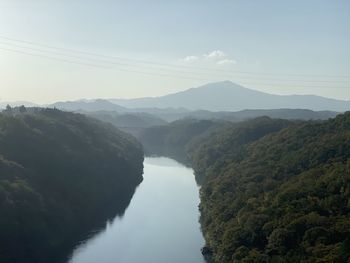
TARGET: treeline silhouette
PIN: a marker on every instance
(61, 174)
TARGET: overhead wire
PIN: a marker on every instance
(142, 67)
(167, 64)
(97, 66)
(101, 63)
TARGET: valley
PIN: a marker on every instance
(174, 131)
(270, 189)
(272, 185)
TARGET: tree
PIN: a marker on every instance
(8, 109)
(22, 109)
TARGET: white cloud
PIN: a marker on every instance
(216, 54)
(190, 58)
(216, 57)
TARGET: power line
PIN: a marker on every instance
(53, 58)
(172, 65)
(98, 66)
(162, 75)
(93, 61)
(84, 58)
(151, 73)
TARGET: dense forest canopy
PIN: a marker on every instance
(284, 197)
(60, 173)
(274, 190)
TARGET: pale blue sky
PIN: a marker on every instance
(286, 37)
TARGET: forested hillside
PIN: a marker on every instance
(171, 140)
(181, 139)
(284, 197)
(215, 151)
(272, 190)
(60, 174)
(133, 123)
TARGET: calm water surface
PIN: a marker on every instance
(159, 226)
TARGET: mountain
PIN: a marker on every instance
(289, 114)
(127, 120)
(170, 140)
(282, 197)
(132, 123)
(62, 175)
(271, 190)
(88, 105)
(227, 96)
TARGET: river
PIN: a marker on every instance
(159, 226)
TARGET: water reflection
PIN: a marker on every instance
(160, 224)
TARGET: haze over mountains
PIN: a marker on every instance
(228, 96)
(88, 105)
(219, 96)
(220, 100)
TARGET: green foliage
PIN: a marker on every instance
(60, 173)
(277, 192)
(133, 123)
(217, 150)
(172, 140)
(272, 190)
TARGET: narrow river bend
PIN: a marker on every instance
(160, 225)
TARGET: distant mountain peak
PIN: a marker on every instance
(229, 96)
(88, 105)
(216, 96)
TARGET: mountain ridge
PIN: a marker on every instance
(215, 97)
(88, 105)
(228, 96)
